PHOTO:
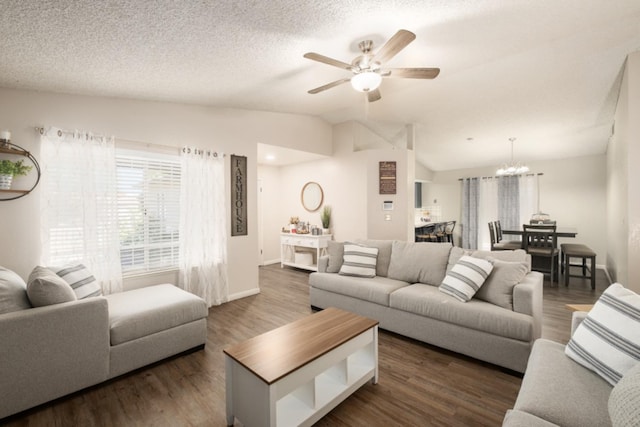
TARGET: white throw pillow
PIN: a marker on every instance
(359, 261)
(608, 339)
(80, 279)
(466, 278)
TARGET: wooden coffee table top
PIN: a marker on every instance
(579, 307)
(276, 353)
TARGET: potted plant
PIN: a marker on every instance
(325, 218)
(9, 169)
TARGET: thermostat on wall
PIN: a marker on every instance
(387, 205)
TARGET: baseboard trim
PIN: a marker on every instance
(244, 294)
(270, 262)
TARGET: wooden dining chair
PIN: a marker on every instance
(541, 241)
(499, 246)
(506, 244)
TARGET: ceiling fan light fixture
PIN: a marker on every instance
(366, 81)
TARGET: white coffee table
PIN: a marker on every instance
(296, 374)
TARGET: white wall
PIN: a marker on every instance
(272, 220)
(623, 182)
(572, 191)
(228, 130)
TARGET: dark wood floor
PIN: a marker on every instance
(420, 385)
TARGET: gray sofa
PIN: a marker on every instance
(404, 297)
(556, 391)
(50, 351)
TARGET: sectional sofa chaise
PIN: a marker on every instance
(498, 325)
(50, 351)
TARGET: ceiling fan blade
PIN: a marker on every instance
(414, 73)
(373, 95)
(394, 45)
(329, 85)
(326, 60)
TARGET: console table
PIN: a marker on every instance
(289, 241)
(295, 374)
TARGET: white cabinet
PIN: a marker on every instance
(303, 250)
(303, 392)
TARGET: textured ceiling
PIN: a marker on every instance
(543, 71)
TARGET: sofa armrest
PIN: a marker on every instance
(576, 318)
(527, 299)
(323, 262)
(48, 352)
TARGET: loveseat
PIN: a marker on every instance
(498, 325)
(52, 350)
(561, 388)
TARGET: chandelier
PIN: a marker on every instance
(512, 168)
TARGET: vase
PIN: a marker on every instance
(5, 181)
(326, 231)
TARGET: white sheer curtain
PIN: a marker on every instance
(79, 205)
(488, 210)
(528, 197)
(203, 230)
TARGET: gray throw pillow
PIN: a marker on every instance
(624, 400)
(45, 287)
(423, 262)
(336, 253)
(517, 255)
(498, 288)
(13, 292)
(384, 254)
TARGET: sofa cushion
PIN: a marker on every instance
(423, 262)
(624, 401)
(466, 277)
(145, 311)
(561, 391)
(376, 290)
(335, 251)
(359, 261)
(45, 287)
(13, 292)
(427, 301)
(498, 288)
(384, 254)
(518, 255)
(81, 280)
(608, 339)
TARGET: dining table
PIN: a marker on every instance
(560, 232)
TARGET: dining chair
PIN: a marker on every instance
(448, 231)
(541, 241)
(506, 244)
(499, 246)
(426, 234)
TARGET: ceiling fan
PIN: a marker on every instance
(368, 69)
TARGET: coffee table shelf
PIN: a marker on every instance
(331, 354)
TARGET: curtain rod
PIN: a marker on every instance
(42, 130)
(491, 177)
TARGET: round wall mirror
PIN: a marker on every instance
(312, 196)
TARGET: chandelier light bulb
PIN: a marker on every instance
(366, 81)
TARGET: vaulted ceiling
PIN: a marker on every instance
(544, 71)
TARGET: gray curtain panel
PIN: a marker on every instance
(469, 226)
(509, 203)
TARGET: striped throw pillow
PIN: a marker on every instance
(466, 277)
(80, 279)
(608, 339)
(359, 261)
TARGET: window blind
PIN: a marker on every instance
(148, 212)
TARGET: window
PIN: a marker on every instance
(148, 211)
